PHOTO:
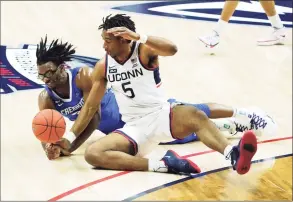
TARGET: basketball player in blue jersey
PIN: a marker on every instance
(128, 68)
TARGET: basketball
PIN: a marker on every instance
(49, 126)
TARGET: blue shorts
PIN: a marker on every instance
(202, 107)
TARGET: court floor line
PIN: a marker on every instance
(197, 176)
(71, 191)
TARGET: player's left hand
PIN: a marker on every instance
(124, 33)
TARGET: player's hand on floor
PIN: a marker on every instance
(65, 146)
(52, 151)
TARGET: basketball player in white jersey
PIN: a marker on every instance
(128, 67)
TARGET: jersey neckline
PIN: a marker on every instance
(129, 56)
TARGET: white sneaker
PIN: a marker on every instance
(277, 37)
(210, 41)
(225, 124)
(262, 123)
(258, 121)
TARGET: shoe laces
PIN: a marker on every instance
(257, 122)
(233, 155)
(240, 128)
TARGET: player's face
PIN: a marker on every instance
(52, 75)
(112, 44)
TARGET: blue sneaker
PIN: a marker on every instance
(242, 154)
(179, 165)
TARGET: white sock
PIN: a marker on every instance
(276, 21)
(220, 26)
(238, 112)
(228, 151)
(157, 166)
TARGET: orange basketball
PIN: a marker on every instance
(49, 126)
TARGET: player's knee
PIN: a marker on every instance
(201, 115)
(193, 119)
(198, 118)
(94, 156)
(197, 115)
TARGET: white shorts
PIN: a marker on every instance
(149, 128)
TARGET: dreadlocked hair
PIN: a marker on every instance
(57, 53)
(119, 20)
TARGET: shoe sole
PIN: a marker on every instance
(193, 165)
(208, 45)
(271, 42)
(248, 148)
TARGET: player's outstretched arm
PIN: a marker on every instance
(93, 100)
(84, 82)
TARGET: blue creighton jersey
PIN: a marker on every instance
(70, 107)
(110, 116)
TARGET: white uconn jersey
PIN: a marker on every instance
(135, 88)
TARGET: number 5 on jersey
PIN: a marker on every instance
(128, 90)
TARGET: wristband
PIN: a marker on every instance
(143, 38)
(70, 136)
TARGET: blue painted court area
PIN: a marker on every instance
(247, 12)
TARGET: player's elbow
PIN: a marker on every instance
(173, 49)
(170, 50)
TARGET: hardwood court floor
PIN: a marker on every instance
(273, 183)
